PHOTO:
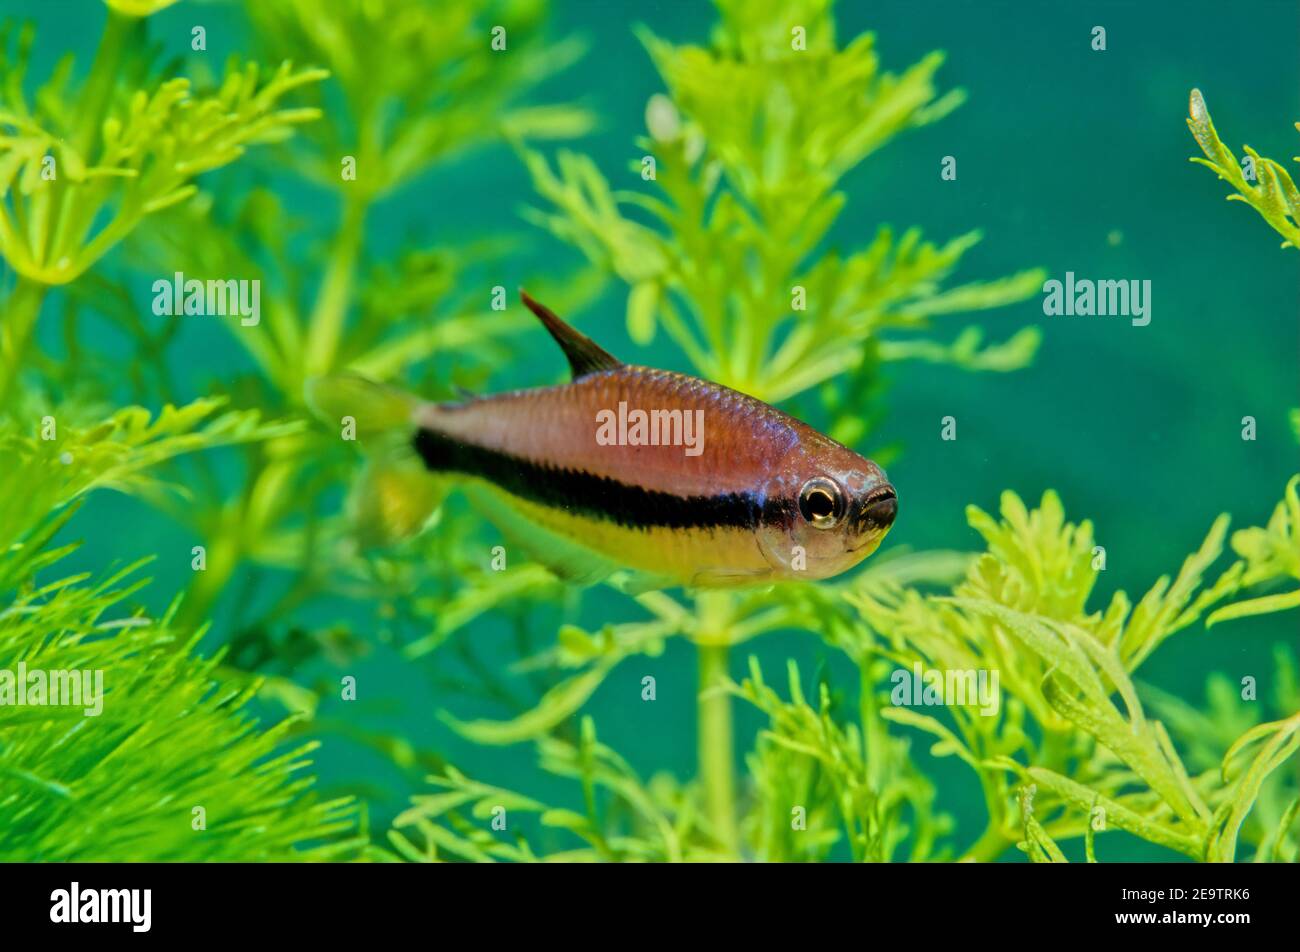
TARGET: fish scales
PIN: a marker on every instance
(742, 441)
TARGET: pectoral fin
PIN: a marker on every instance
(569, 560)
(730, 578)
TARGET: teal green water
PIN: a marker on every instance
(1068, 159)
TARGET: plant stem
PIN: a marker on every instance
(223, 555)
(992, 844)
(17, 318)
(716, 748)
(874, 734)
(97, 93)
(326, 327)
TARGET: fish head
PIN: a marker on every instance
(827, 510)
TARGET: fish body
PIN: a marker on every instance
(680, 480)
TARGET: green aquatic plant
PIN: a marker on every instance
(425, 87)
(1070, 754)
(139, 8)
(1271, 553)
(745, 151)
(1022, 610)
(415, 84)
(77, 181)
(623, 818)
(732, 249)
(377, 319)
(411, 86)
(1275, 196)
(117, 778)
(820, 778)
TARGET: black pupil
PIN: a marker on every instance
(818, 504)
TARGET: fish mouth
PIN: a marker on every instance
(873, 520)
(878, 510)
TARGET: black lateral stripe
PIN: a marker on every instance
(587, 493)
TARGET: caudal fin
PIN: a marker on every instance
(395, 495)
(374, 409)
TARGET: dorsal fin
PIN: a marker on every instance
(585, 355)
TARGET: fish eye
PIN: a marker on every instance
(821, 503)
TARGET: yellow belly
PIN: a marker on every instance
(575, 545)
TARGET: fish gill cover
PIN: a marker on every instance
(205, 207)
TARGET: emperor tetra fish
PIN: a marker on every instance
(679, 480)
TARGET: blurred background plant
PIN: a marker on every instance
(730, 245)
(1274, 196)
